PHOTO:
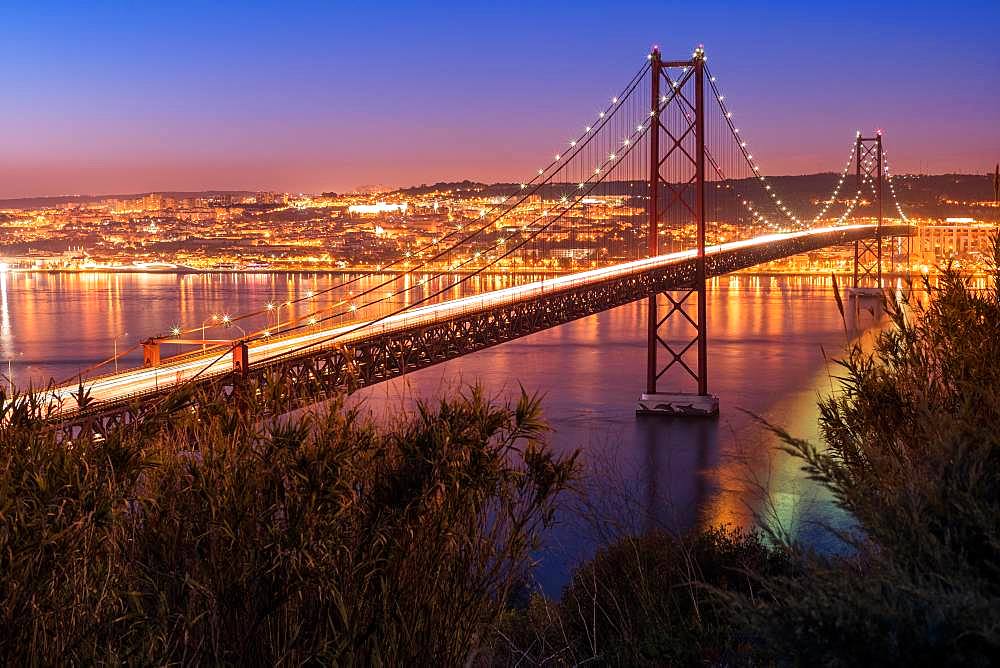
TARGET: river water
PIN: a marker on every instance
(769, 340)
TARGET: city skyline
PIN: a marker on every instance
(315, 99)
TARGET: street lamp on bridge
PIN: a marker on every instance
(228, 322)
(276, 309)
(115, 340)
(213, 318)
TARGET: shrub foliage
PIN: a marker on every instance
(912, 450)
(217, 537)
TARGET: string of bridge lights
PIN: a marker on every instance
(840, 182)
(755, 166)
(868, 164)
(613, 159)
(676, 85)
(574, 143)
(892, 188)
(492, 254)
(745, 150)
(857, 197)
(502, 241)
(758, 217)
(559, 159)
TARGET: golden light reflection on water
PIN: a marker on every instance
(768, 337)
(756, 481)
(60, 323)
(5, 332)
(767, 334)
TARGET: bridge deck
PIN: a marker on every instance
(318, 364)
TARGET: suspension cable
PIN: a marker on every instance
(586, 186)
(527, 189)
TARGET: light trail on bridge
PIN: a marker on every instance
(134, 383)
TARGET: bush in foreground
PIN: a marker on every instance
(214, 537)
(646, 600)
(912, 450)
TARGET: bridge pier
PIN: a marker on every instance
(678, 404)
(653, 402)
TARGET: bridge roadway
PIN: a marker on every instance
(316, 364)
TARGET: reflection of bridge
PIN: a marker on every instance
(710, 199)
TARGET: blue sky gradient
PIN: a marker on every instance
(104, 97)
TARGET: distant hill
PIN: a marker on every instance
(926, 196)
(42, 202)
(457, 187)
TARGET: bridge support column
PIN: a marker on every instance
(151, 352)
(653, 401)
(868, 252)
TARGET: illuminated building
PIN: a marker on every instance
(376, 209)
(955, 238)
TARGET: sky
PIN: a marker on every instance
(103, 97)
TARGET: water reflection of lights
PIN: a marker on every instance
(5, 331)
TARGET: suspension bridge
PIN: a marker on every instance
(662, 189)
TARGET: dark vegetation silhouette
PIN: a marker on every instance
(212, 537)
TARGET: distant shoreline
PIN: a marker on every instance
(532, 272)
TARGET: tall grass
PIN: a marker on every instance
(213, 536)
(646, 600)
